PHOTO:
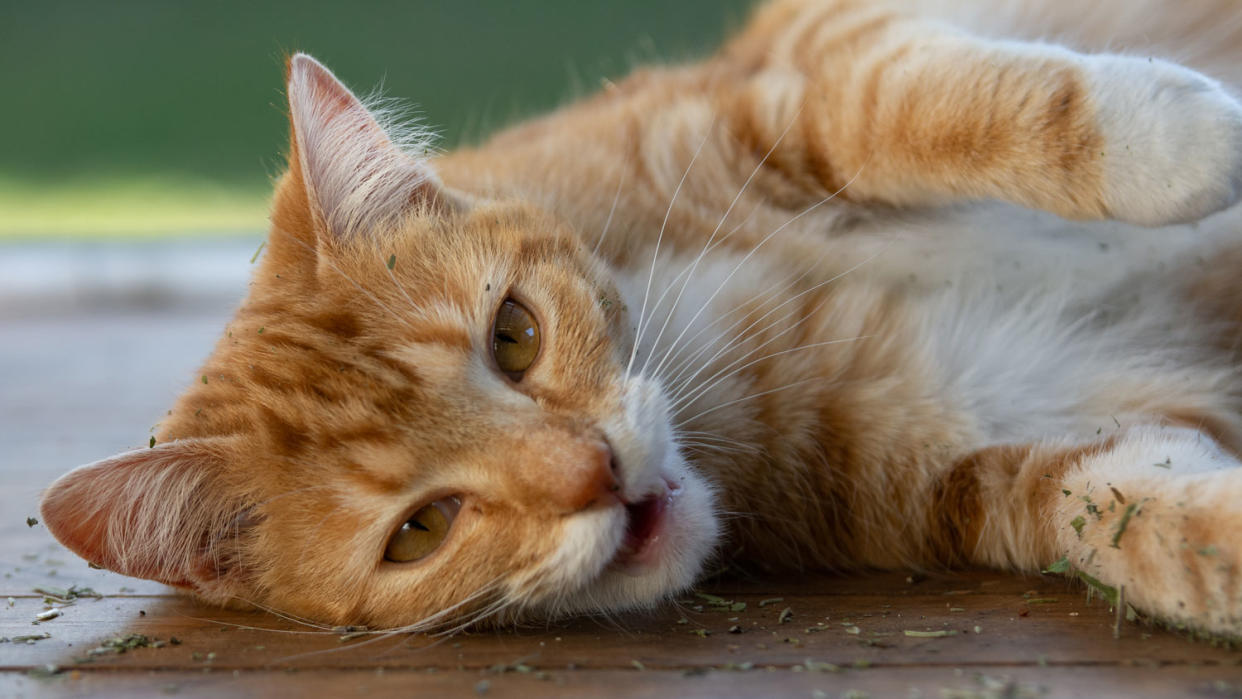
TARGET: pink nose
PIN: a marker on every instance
(593, 481)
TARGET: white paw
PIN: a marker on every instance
(1173, 140)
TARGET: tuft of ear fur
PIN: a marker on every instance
(157, 513)
(356, 174)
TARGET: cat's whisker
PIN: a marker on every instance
(700, 392)
(684, 363)
(491, 610)
(246, 627)
(425, 625)
(721, 286)
(655, 255)
(287, 616)
(685, 385)
(751, 396)
(746, 333)
(707, 246)
(712, 442)
(608, 223)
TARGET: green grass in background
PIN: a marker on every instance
(146, 117)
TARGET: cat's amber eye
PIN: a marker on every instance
(422, 533)
(515, 339)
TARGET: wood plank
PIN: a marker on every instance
(939, 682)
(843, 630)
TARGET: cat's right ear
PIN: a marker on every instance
(347, 175)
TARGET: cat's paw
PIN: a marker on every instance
(1172, 141)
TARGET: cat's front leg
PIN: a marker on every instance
(1157, 510)
(913, 112)
(1160, 514)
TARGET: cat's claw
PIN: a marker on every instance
(1172, 141)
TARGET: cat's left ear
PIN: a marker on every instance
(356, 178)
(163, 513)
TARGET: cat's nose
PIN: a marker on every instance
(595, 482)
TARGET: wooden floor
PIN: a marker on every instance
(973, 635)
(75, 388)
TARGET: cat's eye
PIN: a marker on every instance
(423, 532)
(515, 339)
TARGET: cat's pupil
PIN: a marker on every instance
(421, 534)
(515, 339)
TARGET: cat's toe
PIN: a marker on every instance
(1172, 147)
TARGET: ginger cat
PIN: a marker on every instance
(830, 298)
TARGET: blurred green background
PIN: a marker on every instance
(157, 117)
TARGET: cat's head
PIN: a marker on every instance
(421, 414)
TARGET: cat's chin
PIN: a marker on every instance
(655, 549)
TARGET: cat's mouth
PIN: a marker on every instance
(646, 526)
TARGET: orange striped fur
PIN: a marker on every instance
(880, 284)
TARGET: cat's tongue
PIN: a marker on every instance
(644, 526)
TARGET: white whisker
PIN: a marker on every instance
(706, 246)
(706, 304)
(704, 389)
(655, 255)
(608, 223)
(745, 398)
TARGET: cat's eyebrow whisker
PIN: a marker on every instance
(707, 245)
(720, 287)
(655, 255)
(608, 223)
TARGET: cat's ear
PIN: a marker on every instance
(355, 177)
(160, 513)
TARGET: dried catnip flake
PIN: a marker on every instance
(1123, 523)
(1060, 566)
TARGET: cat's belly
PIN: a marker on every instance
(1041, 328)
(1012, 310)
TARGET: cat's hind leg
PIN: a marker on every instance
(910, 112)
(1156, 509)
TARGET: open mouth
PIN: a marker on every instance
(645, 527)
